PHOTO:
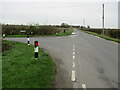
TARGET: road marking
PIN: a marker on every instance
(73, 53)
(73, 64)
(73, 57)
(84, 86)
(73, 72)
(73, 76)
(73, 33)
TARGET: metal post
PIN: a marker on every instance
(119, 15)
(103, 21)
(28, 40)
(84, 23)
(36, 49)
(3, 36)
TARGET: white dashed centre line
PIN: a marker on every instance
(73, 49)
(84, 86)
(73, 76)
(73, 57)
(73, 71)
(73, 64)
(73, 53)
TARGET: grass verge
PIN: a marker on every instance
(68, 32)
(102, 36)
(18, 36)
(21, 70)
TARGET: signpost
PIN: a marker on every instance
(36, 49)
(3, 36)
(28, 40)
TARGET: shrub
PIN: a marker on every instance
(113, 33)
(37, 30)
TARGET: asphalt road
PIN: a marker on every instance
(83, 60)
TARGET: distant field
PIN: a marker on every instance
(21, 70)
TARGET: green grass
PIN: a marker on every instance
(68, 32)
(102, 36)
(21, 70)
(17, 36)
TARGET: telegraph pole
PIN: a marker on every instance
(83, 22)
(103, 21)
(119, 15)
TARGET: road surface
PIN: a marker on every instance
(83, 60)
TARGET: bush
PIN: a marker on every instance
(14, 29)
(37, 30)
(47, 30)
(113, 33)
(65, 25)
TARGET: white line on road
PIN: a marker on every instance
(73, 33)
(73, 76)
(73, 64)
(84, 86)
(73, 57)
(73, 72)
(73, 53)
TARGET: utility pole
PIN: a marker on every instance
(119, 15)
(103, 21)
(83, 22)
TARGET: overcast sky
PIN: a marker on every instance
(58, 11)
